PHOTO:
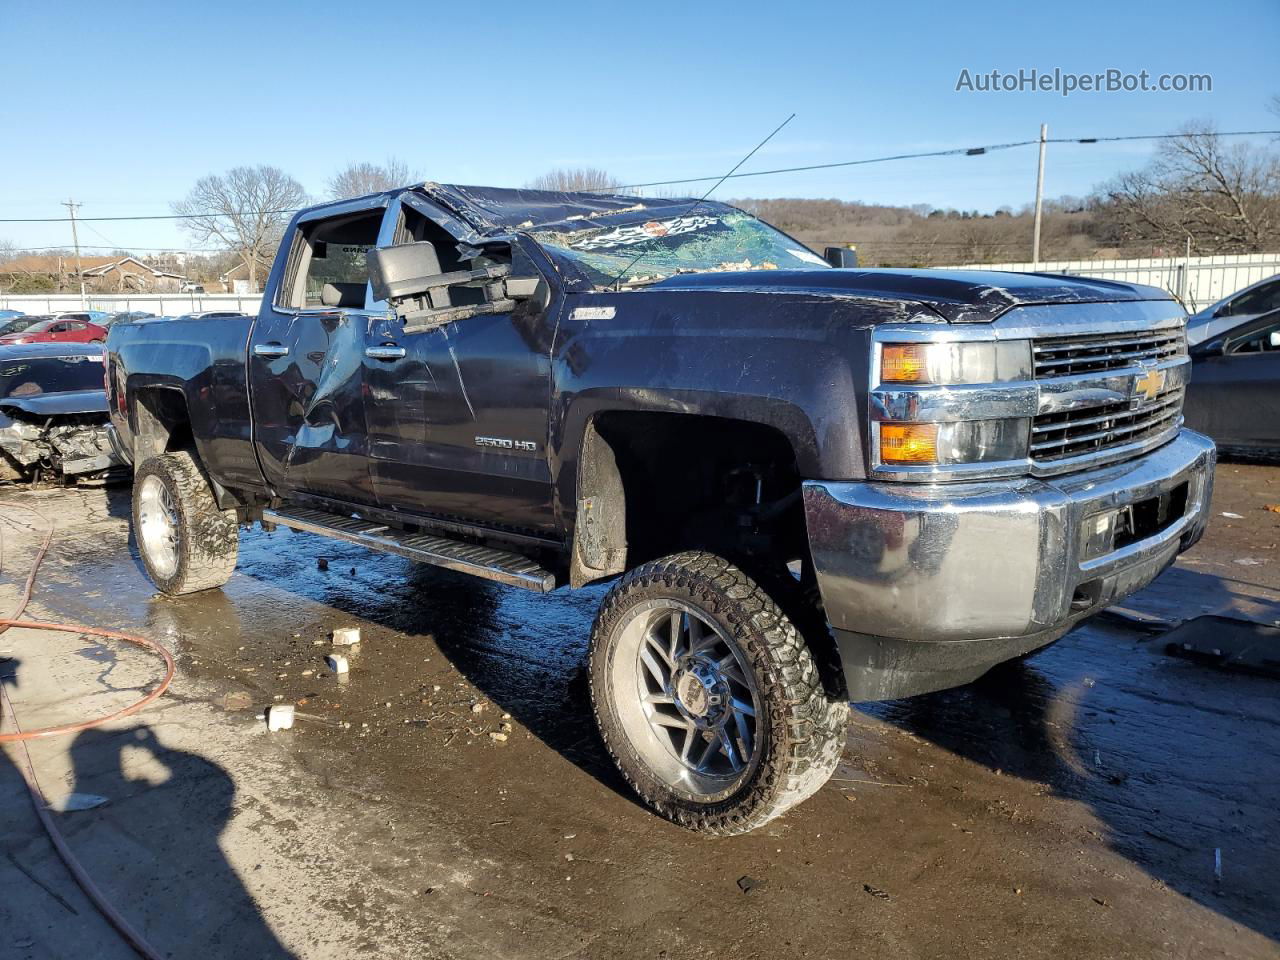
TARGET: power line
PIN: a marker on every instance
(953, 152)
(125, 246)
(157, 216)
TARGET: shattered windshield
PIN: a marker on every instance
(718, 239)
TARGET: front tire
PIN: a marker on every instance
(187, 543)
(707, 697)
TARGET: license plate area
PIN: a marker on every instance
(1146, 518)
(1120, 527)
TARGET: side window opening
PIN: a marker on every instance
(414, 227)
(1261, 341)
(328, 266)
(1261, 300)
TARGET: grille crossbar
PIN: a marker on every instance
(1095, 429)
(1067, 356)
(1056, 436)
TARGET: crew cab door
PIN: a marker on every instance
(306, 354)
(457, 414)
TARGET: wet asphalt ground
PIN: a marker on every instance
(1101, 800)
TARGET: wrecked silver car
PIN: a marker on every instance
(53, 415)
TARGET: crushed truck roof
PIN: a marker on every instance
(501, 210)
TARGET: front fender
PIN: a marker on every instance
(801, 370)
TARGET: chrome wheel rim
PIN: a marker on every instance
(158, 526)
(687, 699)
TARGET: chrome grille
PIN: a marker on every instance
(1074, 433)
(1068, 356)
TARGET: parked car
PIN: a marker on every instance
(86, 316)
(58, 329)
(18, 323)
(53, 414)
(8, 315)
(548, 389)
(1234, 395)
(1230, 312)
(122, 316)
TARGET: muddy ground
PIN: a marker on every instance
(1070, 805)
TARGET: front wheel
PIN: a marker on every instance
(707, 697)
(187, 543)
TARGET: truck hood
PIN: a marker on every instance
(959, 296)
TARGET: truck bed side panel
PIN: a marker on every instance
(204, 359)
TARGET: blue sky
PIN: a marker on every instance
(124, 112)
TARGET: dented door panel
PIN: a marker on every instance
(458, 425)
(309, 404)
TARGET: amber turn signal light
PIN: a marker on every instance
(908, 443)
(903, 363)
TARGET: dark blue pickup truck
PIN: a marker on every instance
(810, 485)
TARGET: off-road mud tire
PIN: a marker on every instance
(802, 731)
(208, 537)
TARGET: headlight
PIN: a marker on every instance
(988, 361)
(950, 444)
(913, 377)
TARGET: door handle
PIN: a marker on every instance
(386, 351)
(269, 350)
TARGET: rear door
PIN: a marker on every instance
(306, 353)
(1234, 396)
(458, 414)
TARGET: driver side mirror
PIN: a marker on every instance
(408, 277)
(840, 256)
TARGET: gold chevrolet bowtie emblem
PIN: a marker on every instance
(1149, 385)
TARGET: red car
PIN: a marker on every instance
(57, 330)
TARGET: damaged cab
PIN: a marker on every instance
(806, 484)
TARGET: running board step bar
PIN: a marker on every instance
(499, 565)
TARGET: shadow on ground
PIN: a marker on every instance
(1175, 759)
(155, 841)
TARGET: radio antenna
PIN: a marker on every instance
(617, 281)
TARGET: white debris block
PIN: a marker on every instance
(280, 717)
(337, 663)
(346, 636)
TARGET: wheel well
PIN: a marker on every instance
(162, 423)
(686, 482)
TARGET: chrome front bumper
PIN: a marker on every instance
(914, 572)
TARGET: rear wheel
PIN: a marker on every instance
(187, 543)
(707, 697)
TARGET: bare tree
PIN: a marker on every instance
(1225, 197)
(7, 251)
(245, 209)
(575, 178)
(357, 179)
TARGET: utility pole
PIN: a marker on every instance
(1035, 240)
(75, 239)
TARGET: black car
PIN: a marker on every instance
(53, 414)
(19, 323)
(1234, 395)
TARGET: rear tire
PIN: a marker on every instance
(187, 543)
(707, 697)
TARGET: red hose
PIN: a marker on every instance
(96, 721)
(14, 621)
(38, 799)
